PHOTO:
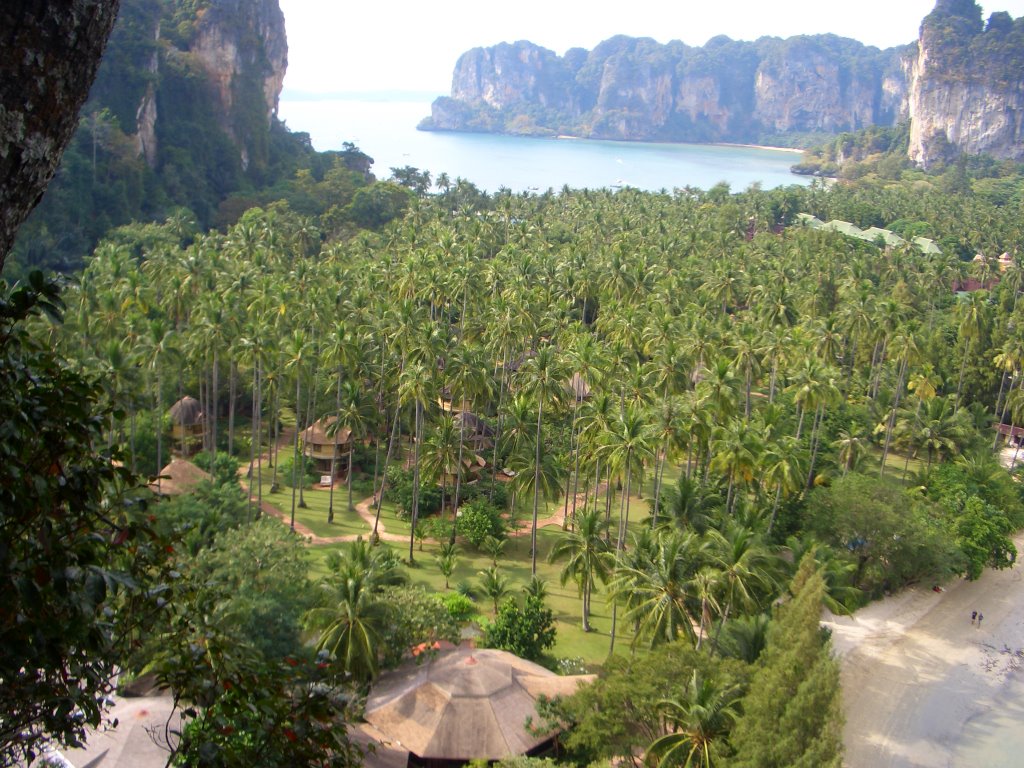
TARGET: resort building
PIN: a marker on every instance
(323, 448)
(464, 704)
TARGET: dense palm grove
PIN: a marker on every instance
(705, 395)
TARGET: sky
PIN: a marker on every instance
(412, 45)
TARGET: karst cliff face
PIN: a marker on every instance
(960, 86)
(967, 85)
(219, 59)
(639, 89)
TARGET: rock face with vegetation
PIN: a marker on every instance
(960, 86)
(631, 89)
(967, 85)
(182, 115)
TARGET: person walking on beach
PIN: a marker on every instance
(974, 615)
(980, 617)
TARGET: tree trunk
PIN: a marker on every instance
(232, 404)
(334, 450)
(384, 475)
(49, 58)
(892, 416)
(536, 490)
(295, 454)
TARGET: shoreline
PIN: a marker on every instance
(922, 685)
(792, 150)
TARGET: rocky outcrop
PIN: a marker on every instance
(242, 47)
(630, 88)
(961, 86)
(967, 92)
(219, 59)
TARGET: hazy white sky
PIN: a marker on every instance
(369, 45)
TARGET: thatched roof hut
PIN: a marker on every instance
(316, 434)
(187, 412)
(579, 388)
(179, 477)
(465, 704)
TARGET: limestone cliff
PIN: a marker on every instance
(242, 47)
(178, 61)
(967, 85)
(630, 88)
(961, 86)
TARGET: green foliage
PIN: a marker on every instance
(478, 520)
(792, 715)
(458, 605)
(262, 569)
(400, 491)
(225, 466)
(618, 714)
(415, 617)
(79, 562)
(286, 470)
(209, 510)
(526, 630)
(894, 537)
(983, 534)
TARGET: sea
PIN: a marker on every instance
(383, 125)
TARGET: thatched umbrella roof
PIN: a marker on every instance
(178, 477)
(187, 412)
(317, 433)
(465, 704)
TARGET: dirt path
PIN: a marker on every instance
(916, 672)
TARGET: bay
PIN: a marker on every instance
(385, 129)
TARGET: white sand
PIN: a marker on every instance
(921, 685)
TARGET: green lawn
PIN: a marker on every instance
(565, 602)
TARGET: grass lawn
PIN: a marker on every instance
(565, 602)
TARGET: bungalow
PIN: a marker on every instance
(188, 423)
(324, 448)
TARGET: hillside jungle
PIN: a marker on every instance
(674, 425)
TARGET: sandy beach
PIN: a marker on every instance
(922, 686)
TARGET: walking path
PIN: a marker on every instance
(921, 682)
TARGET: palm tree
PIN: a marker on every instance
(700, 720)
(657, 597)
(588, 556)
(495, 585)
(354, 412)
(543, 378)
(746, 566)
(351, 629)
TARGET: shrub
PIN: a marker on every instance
(285, 471)
(480, 519)
(400, 490)
(526, 631)
(458, 605)
(225, 467)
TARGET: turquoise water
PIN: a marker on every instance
(386, 130)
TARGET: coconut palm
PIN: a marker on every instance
(699, 720)
(588, 556)
(657, 597)
(495, 585)
(543, 378)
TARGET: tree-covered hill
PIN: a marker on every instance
(182, 120)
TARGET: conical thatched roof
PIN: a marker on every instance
(316, 433)
(178, 477)
(187, 412)
(473, 425)
(465, 704)
(578, 387)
